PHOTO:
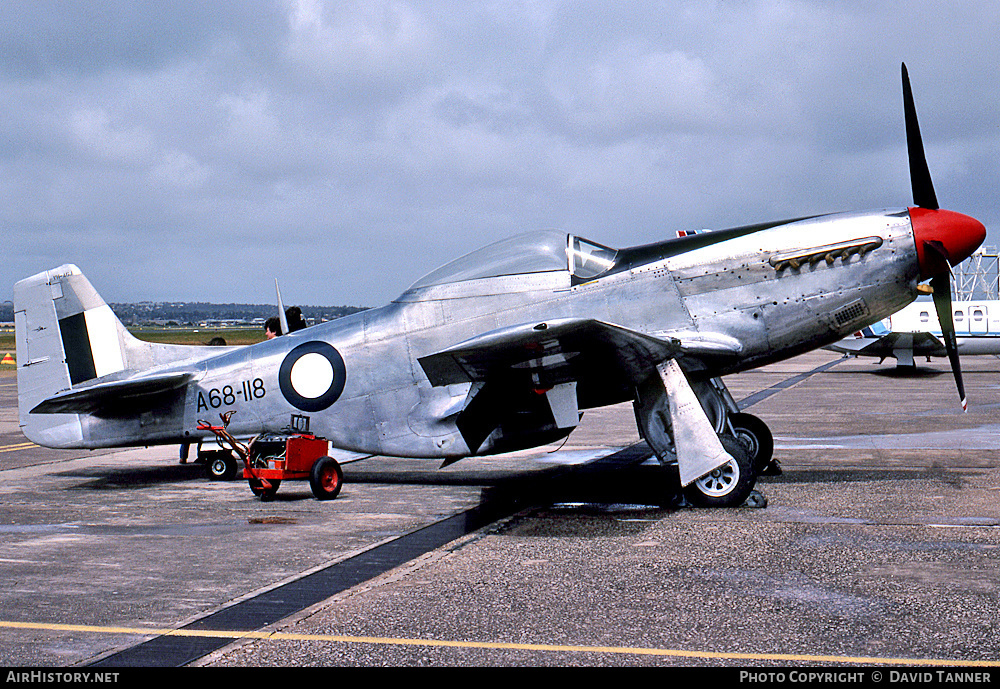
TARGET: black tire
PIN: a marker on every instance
(326, 478)
(221, 465)
(756, 436)
(257, 488)
(729, 485)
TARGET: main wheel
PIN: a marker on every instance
(730, 484)
(326, 478)
(757, 438)
(258, 489)
(221, 465)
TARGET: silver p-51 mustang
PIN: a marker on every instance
(502, 349)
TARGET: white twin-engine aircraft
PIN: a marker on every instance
(914, 331)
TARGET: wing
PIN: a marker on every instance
(558, 350)
(545, 372)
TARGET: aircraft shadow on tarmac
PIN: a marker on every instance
(585, 485)
(590, 484)
(646, 487)
(916, 372)
(854, 475)
(135, 477)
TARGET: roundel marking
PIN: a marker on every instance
(312, 376)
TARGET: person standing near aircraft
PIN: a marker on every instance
(293, 316)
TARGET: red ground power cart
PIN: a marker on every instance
(274, 458)
(271, 458)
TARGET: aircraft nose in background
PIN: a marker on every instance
(941, 235)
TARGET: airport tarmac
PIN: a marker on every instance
(879, 546)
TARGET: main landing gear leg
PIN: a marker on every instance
(716, 469)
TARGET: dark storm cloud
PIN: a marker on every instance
(79, 37)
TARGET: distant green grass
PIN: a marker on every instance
(188, 336)
(199, 336)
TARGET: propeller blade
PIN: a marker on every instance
(920, 174)
(941, 284)
(936, 259)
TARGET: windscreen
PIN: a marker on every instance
(588, 259)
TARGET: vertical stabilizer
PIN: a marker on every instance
(66, 335)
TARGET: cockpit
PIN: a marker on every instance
(533, 252)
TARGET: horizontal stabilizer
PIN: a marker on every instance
(137, 394)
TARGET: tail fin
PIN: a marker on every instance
(66, 335)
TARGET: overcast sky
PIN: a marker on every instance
(196, 150)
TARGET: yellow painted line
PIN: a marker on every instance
(18, 446)
(440, 643)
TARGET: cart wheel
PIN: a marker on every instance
(221, 465)
(258, 489)
(326, 478)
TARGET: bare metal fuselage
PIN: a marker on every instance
(735, 300)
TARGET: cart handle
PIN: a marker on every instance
(225, 436)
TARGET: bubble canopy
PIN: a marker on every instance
(531, 252)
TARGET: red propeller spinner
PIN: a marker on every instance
(944, 237)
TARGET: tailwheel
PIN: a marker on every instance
(326, 478)
(729, 485)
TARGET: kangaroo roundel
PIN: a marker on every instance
(312, 376)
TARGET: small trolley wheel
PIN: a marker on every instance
(258, 489)
(326, 478)
(221, 465)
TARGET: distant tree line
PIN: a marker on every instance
(198, 312)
